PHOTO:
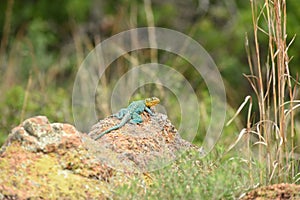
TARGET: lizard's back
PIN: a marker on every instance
(136, 107)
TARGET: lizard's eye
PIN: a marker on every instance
(155, 99)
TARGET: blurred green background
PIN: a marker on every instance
(44, 42)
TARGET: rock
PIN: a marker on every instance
(48, 161)
(37, 134)
(43, 160)
(276, 191)
(145, 147)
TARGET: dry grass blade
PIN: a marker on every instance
(252, 83)
(248, 52)
(242, 133)
(297, 177)
(275, 165)
(239, 110)
(291, 110)
(260, 142)
(259, 136)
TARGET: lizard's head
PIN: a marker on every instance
(152, 101)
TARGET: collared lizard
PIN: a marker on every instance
(132, 113)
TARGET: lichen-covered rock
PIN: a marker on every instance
(43, 160)
(48, 161)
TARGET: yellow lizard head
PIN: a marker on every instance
(152, 101)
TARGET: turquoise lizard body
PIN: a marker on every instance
(132, 113)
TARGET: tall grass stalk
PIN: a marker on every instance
(6, 28)
(273, 87)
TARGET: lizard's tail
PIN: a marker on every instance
(105, 132)
(122, 123)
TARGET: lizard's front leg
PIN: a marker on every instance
(149, 111)
(136, 119)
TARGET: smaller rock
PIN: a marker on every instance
(37, 134)
(277, 191)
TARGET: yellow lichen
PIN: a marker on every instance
(41, 175)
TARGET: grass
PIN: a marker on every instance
(275, 91)
(275, 137)
(192, 177)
